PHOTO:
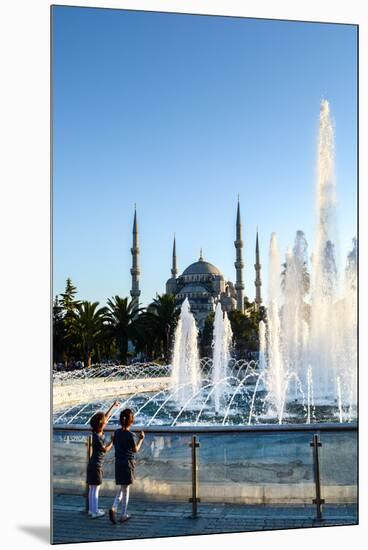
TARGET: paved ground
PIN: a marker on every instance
(150, 520)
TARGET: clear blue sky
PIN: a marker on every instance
(179, 114)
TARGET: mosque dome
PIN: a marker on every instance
(201, 268)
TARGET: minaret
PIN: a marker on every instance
(172, 283)
(239, 264)
(258, 282)
(135, 271)
(174, 269)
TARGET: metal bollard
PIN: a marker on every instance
(89, 454)
(318, 501)
(194, 499)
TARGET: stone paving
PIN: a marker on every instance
(168, 519)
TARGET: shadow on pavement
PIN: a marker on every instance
(40, 532)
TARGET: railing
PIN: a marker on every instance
(262, 464)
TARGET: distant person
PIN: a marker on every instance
(125, 448)
(95, 464)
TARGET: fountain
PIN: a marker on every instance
(185, 370)
(311, 333)
(347, 333)
(295, 285)
(306, 371)
(276, 375)
(222, 338)
(324, 270)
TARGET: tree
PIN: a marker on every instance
(162, 314)
(145, 336)
(88, 328)
(58, 331)
(207, 336)
(68, 305)
(245, 330)
(122, 318)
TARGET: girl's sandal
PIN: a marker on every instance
(124, 519)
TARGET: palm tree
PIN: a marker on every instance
(163, 316)
(147, 339)
(122, 316)
(88, 327)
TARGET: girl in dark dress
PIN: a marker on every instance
(95, 463)
(125, 447)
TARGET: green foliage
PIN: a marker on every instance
(84, 331)
(207, 336)
(69, 305)
(58, 334)
(245, 327)
(68, 302)
(162, 316)
(122, 320)
(88, 329)
(155, 328)
(145, 336)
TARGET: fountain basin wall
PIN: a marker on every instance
(235, 466)
(97, 389)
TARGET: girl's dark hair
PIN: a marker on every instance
(97, 421)
(126, 418)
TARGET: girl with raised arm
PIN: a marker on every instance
(95, 463)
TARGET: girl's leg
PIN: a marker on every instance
(125, 499)
(92, 499)
(97, 491)
(118, 497)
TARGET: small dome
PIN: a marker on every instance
(201, 268)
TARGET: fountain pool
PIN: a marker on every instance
(307, 366)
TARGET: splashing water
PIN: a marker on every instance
(324, 270)
(312, 330)
(222, 337)
(185, 368)
(276, 373)
(262, 346)
(347, 333)
(295, 285)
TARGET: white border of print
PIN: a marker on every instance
(25, 219)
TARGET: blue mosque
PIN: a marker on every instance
(202, 282)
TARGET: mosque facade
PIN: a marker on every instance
(202, 282)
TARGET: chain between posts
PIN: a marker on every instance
(318, 501)
(194, 499)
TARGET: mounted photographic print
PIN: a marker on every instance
(204, 274)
